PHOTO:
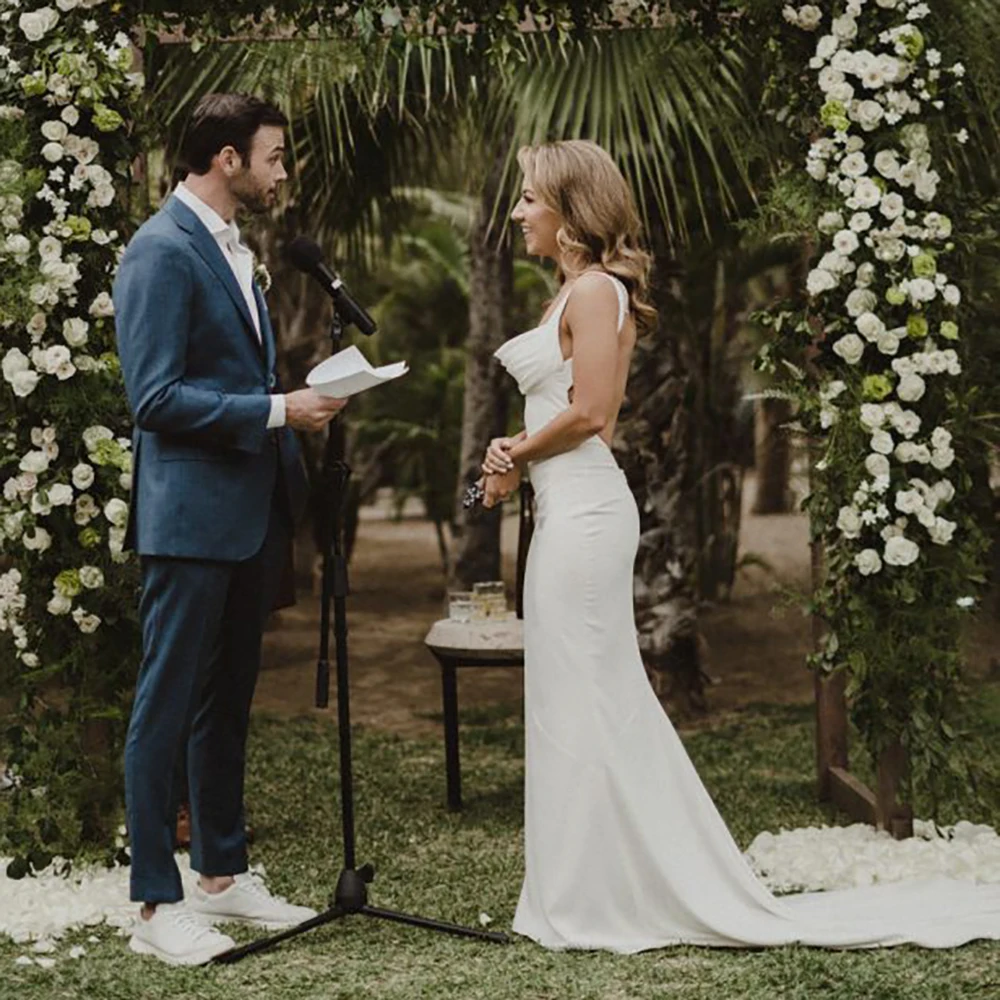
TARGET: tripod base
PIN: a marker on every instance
(350, 899)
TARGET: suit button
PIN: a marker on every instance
(271, 381)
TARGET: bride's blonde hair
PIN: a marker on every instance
(600, 225)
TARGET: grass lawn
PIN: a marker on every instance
(756, 764)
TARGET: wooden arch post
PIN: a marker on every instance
(835, 783)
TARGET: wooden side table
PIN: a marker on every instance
(468, 644)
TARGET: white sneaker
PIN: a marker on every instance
(248, 901)
(177, 936)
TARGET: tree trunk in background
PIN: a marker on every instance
(653, 444)
(476, 550)
(773, 451)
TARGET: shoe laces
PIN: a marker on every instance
(254, 884)
(189, 924)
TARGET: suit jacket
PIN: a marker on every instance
(198, 382)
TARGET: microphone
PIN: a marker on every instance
(305, 255)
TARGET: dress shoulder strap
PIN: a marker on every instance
(622, 296)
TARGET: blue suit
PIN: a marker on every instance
(215, 495)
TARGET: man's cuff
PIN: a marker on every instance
(277, 417)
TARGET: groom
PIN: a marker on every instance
(218, 483)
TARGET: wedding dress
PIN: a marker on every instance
(624, 848)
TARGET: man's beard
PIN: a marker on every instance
(251, 198)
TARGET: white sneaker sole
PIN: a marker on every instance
(268, 925)
(203, 957)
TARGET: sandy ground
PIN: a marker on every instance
(757, 643)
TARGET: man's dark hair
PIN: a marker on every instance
(221, 120)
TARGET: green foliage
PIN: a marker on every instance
(895, 630)
(456, 866)
(68, 634)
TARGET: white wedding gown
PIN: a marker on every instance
(624, 849)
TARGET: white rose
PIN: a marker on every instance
(926, 517)
(55, 131)
(846, 242)
(888, 342)
(869, 325)
(868, 562)
(60, 604)
(942, 530)
(60, 495)
(65, 5)
(861, 301)
(37, 24)
(909, 501)
(854, 165)
(952, 295)
(877, 465)
(826, 47)
(887, 164)
(34, 462)
(849, 522)
(861, 222)
(941, 438)
(36, 325)
(87, 623)
(83, 476)
(892, 206)
(96, 433)
(819, 281)
(53, 152)
(55, 357)
(942, 458)
(809, 17)
(830, 222)
(75, 332)
(869, 114)
(49, 248)
(911, 388)
(70, 115)
(943, 490)
(866, 273)
(14, 361)
(25, 383)
(906, 422)
(872, 416)
(867, 193)
(900, 551)
(921, 290)
(881, 442)
(816, 169)
(38, 541)
(91, 577)
(102, 306)
(116, 511)
(850, 347)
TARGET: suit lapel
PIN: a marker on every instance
(208, 249)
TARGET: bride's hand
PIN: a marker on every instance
(497, 461)
(501, 487)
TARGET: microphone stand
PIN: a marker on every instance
(351, 894)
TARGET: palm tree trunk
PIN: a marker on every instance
(476, 552)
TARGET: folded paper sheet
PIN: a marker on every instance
(348, 372)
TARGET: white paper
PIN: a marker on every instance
(348, 372)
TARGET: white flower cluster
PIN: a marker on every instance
(883, 254)
(38, 493)
(12, 604)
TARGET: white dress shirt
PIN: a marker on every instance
(240, 259)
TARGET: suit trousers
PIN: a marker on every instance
(202, 623)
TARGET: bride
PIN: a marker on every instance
(624, 849)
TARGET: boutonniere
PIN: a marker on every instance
(261, 275)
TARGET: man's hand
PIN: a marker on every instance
(307, 410)
(501, 487)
